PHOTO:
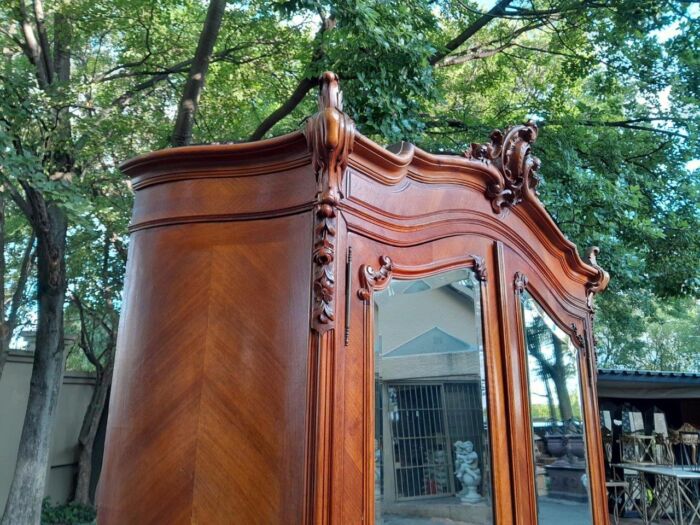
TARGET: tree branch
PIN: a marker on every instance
(478, 52)
(303, 87)
(22, 278)
(470, 31)
(32, 49)
(627, 124)
(85, 343)
(285, 109)
(43, 38)
(182, 131)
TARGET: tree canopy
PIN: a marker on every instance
(614, 86)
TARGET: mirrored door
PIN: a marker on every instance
(561, 465)
(432, 458)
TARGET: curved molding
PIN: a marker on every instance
(504, 170)
(330, 135)
(372, 279)
(218, 160)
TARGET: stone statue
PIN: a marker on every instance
(467, 471)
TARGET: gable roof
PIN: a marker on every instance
(434, 341)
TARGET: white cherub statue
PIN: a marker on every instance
(467, 471)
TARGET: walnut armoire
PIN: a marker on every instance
(320, 330)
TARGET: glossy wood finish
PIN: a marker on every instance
(243, 390)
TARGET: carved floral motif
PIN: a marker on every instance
(511, 154)
(371, 278)
(330, 134)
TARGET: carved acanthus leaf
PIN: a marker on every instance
(371, 279)
(578, 338)
(600, 281)
(511, 154)
(330, 135)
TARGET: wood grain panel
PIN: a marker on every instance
(209, 422)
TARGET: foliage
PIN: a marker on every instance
(613, 86)
(70, 514)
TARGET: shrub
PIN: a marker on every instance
(70, 514)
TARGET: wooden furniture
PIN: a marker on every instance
(244, 385)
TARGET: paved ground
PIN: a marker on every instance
(551, 513)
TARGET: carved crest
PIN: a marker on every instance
(330, 134)
(511, 154)
(600, 281)
(371, 279)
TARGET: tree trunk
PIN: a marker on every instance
(27, 489)
(4, 329)
(182, 133)
(86, 441)
(559, 377)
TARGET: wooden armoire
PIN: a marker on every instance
(317, 329)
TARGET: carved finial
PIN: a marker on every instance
(371, 279)
(600, 281)
(330, 95)
(479, 268)
(511, 154)
(330, 135)
(520, 282)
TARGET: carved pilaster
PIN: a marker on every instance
(371, 279)
(479, 268)
(520, 282)
(511, 154)
(330, 134)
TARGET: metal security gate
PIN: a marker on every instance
(426, 419)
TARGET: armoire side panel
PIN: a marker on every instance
(211, 377)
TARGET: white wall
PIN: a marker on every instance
(72, 403)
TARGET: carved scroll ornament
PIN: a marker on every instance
(371, 279)
(600, 281)
(511, 154)
(480, 268)
(330, 134)
(520, 282)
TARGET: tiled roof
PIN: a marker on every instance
(646, 373)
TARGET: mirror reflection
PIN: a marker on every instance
(431, 435)
(561, 476)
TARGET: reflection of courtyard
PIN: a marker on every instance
(449, 511)
(434, 511)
